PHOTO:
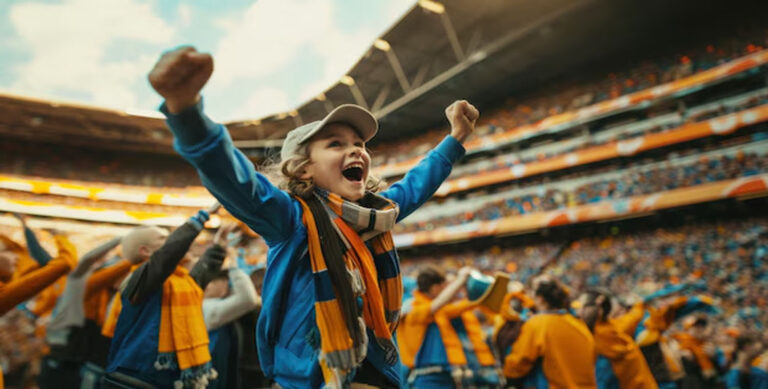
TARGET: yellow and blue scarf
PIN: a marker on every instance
(345, 270)
(182, 336)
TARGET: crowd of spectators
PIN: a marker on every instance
(510, 159)
(23, 335)
(631, 183)
(567, 96)
(728, 260)
(21, 347)
(92, 164)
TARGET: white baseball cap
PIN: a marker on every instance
(359, 118)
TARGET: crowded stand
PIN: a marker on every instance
(626, 183)
(547, 102)
(88, 164)
(720, 262)
(728, 255)
(291, 278)
(624, 132)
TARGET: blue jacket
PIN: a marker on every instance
(221, 342)
(287, 320)
(136, 358)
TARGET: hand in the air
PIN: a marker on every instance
(462, 116)
(179, 75)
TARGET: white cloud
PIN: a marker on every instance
(264, 102)
(272, 34)
(269, 35)
(343, 50)
(313, 89)
(68, 44)
(185, 14)
(339, 52)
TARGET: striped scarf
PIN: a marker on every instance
(113, 310)
(344, 269)
(98, 292)
(454, 349)
(183, 337)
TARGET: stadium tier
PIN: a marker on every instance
(637, 176)
(665, 118)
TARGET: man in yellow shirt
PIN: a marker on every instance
(554, 349)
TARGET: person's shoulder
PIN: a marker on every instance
(545, 318)
(538, 319)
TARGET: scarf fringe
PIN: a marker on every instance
(166, 361)
(196, 377)
(356, 280)
(335, 378)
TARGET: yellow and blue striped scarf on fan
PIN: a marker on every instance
(183, 337)
(344, 269)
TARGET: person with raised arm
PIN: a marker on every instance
(14, 291)
(160, 339)
(329, 310)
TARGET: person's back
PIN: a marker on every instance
(568, 349)
(555, 349)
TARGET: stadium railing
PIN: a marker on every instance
(723, 125)
(635, 206)
(455, 206)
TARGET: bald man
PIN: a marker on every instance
(134, 356)
(142, 241)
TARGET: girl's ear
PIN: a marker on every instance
(305, 175)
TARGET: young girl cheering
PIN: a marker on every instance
(332, 291)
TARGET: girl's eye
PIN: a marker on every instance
(334, 143)
(359, 144)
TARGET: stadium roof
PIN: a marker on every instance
(483, 51)
(436, 53)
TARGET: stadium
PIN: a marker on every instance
(621, 146)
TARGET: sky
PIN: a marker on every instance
(270, 56)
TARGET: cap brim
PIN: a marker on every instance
(358, 117)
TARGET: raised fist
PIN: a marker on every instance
(462, 116)
(179, 75)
